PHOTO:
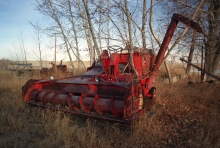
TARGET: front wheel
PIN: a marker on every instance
(141, 101)
(151, 93)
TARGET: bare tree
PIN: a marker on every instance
(144, 19)
(209, 19)
(158, 41)
(91, 29)
(108, 28)
(47, 8)
(124, 24)
(71, 19)
(100, 23)
(15, 55)
(184, 31)
(38, 39)
(131, 51)
(192, 48)
(212, 54)
(150, 23)
(23, 49)
(176, 41)
(124, 40)
(87, 33)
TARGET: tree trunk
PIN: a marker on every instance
(91, 29)
(130, 40)
(150, 23)
(212, 46)
(87, 33)
(75, 36)
(39, 49)
(99, 32)
(125, 29)
(108, 28)
(191, 52)
(23, 49)
(38, 40)
(168, 72)
(144, 19)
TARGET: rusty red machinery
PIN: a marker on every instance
(59, 68)
(109, 89)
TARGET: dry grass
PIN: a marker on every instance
(179, 116)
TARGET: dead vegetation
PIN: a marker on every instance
(180, 115)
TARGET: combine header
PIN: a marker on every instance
(109, 89)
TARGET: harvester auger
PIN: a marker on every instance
(109, 89)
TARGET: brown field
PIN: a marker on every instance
(180, 115)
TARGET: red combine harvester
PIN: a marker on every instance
(109, 89)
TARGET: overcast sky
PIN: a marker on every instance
(14, 19)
